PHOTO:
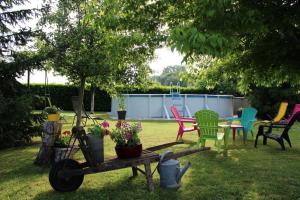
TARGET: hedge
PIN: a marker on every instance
(265, 100)
(60, 95)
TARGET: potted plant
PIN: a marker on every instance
(95, 141)
(61, 147)
(127, 141)
(121, 107)
(53, 113)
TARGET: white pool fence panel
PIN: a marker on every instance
(157, 106)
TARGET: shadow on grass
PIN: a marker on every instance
(20, 163)
(125, 188)
(243, 172)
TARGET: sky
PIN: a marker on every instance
(163, 57)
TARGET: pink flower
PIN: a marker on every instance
(128, 135)
(105, 124)
(125, 125)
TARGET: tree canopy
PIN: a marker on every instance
(258, 40)
(172, 74)
(99, 42)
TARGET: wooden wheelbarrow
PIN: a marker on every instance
(67, 175)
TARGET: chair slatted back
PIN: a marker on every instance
(207, 121)
(295, 110)
(281, 112)
(248, 117)
(177, 116)
(296, 116)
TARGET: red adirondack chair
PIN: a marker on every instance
(182, 129)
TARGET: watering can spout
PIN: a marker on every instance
(182, 172)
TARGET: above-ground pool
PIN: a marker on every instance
(157, 106)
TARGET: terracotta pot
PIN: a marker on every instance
(129, 151)
(121, 114)
(53, 117)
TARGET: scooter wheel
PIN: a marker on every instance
(62, 184)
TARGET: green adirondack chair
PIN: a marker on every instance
(207, 121)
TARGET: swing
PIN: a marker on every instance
(47, 95)
(47, 91)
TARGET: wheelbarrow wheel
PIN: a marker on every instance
(62, 184)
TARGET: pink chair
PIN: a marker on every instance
(181, 121)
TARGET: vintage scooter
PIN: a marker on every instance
(170, 172)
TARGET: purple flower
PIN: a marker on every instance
(105, 124)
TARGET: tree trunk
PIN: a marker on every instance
(81, 95)
(93, 90)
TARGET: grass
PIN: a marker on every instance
(240, 172)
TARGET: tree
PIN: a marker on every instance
(172, 74)
(259, 38)
(9, 21)
(16, 124)
(207, 73)
(94, 40)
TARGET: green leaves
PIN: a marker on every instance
(188, 39)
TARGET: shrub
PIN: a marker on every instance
(18, 125)
(267, 100)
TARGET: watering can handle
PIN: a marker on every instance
(164, 154)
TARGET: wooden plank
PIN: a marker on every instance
(114, 164)
(162, 146)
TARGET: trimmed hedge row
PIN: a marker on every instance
(60, 95)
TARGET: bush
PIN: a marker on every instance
(18, 125)
(267, 100)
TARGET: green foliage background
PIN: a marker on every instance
(61, 95)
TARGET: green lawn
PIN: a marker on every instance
(241, 172)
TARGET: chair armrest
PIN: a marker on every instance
(187, 120)
(275, 125)
(278, 126)
(235, 117)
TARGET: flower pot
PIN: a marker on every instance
(121, 114)
(53, 117)
(129, 151)
(95, 145)
(60, 152)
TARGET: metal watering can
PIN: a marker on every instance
(170, 172)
